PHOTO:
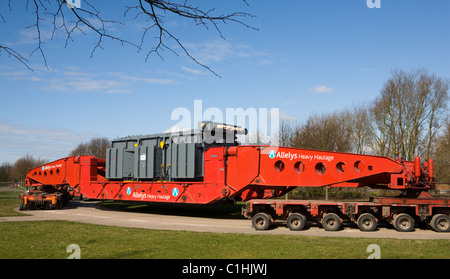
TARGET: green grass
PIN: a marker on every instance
(9, 201)
(49, 240)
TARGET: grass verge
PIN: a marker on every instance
(49, 240)
(9, 201)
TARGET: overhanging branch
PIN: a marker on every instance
(153, 12)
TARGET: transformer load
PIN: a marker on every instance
(173, 156)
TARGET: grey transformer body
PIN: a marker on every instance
(173, 156)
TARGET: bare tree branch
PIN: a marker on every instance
(37, 4)
(16, 55)
(152, 12)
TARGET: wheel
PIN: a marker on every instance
(22, 205)
(53, 206)
(403, 222)
(367, 222)
(440, 223)
(47, 206)
(261, 221)
(331, 222)
(296, 222)
(59, 204)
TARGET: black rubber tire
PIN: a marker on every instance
(296, 222)
(440, 223)
(331, 222)
(367, 222)
(47, 206)
(22, 205)
(261, 221)
(403, 222)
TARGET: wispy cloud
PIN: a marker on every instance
(111, 83)
(192, 71)
(143, 79)
(286, 117)
(87, 83)
(322, 89)
(51, 144)
(219, 50)
(75, 80)
(211, 51)
(30, 37)
(47, 31)
(14, 75)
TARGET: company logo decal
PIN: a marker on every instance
(43, 168)
(175, 192)
(272, 154)
(298, 156)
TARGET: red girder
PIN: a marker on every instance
(241, 173)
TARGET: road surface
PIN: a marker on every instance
(89, 212)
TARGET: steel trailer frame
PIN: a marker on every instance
(251, 173)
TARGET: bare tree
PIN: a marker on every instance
(409, 112)
(441, 155)
(381, 136)
(96, 147)
(152, 13)
(361, 135)
(21, 166)
(258, 137)
(331, 132)
(5, 170)
(285, 133)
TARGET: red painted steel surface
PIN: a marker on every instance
(240, 173)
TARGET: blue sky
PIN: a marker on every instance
(308, 56)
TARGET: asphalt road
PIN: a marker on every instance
(88, 212)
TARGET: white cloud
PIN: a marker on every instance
(87, 83)
(322, 89)
(143, 79)
(50, 144)
(120, 91)
(265, 62)
(211, 51)
(219, 50)
(77, 80)
(284, 116)
(29, 36)
(72, 79)
(192, 71)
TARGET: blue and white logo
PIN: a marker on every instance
(175, 192)
(43, 168)
(128, 190)
(272, 154)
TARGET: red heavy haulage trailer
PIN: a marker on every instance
(160, 168)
